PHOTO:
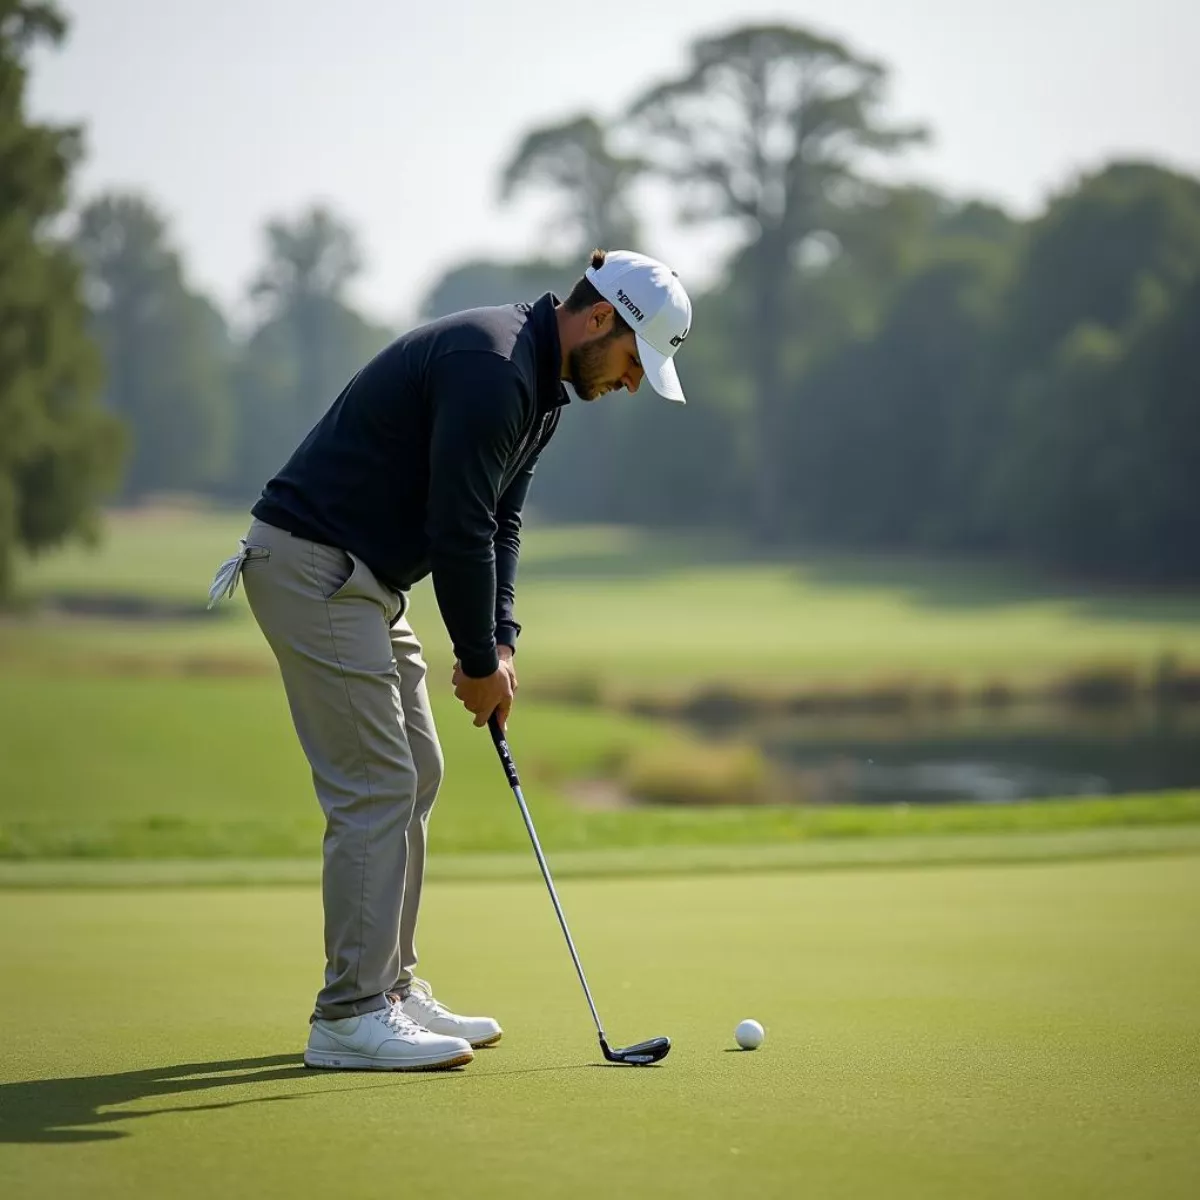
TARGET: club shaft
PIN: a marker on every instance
(514, 781)
(562, 920)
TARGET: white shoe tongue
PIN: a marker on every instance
(422, 993)
(431, 1006)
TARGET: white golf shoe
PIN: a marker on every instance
(421, 1006)
(384, 1040)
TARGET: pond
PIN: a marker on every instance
(1030, 753)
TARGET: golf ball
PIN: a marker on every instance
(749, 1034)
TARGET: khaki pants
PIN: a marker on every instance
(355, 682)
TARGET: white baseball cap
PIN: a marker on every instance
(650, 298)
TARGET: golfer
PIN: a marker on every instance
(421, 466)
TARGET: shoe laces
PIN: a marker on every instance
(424, 994)
(398, 1021)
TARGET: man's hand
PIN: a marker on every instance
(493, 694)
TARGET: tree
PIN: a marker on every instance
(892, 232)
(1099, 246)
(1162, 492)
(1061, 472)
(1102, 469)
(60, 454)
(483, 282)
(165, 347)
(306, 346)
(592, 182)
(301, 287)
(1075, 437)
(876, 438)
(771, 128)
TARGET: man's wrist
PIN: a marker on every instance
(480, 666)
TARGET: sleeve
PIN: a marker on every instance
(478, 408)
(508, 550)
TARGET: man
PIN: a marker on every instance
(421, 465)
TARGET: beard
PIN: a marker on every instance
(585, 367)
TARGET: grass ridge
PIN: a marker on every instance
(818, 855)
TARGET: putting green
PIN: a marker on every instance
(985, 1032)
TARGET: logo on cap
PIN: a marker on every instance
(629, 304)
(679, 338)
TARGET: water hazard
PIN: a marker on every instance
(1031, 753)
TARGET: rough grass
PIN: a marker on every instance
(682, 771)
(211, 768)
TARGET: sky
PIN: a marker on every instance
(401, 114)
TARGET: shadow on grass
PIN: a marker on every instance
(64, 1111)
(982, 584)
(604, 1066)
(67, 1110)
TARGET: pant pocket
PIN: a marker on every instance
(337, 573)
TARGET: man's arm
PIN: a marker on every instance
(508, 551)
(478, 410)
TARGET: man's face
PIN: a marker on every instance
(604, 363)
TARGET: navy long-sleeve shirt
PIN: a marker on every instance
(422, 465)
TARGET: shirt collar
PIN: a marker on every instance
(550, 390)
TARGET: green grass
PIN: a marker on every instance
(645, 611)
(160, 552)
(990, 1032)
(186, 768)
(817, 854)
(171, 738)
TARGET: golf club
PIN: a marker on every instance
(639, 1055)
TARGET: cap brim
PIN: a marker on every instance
(660, 372)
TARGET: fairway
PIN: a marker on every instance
(988, 1032)
(818, 617)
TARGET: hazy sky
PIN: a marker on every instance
(401, 112)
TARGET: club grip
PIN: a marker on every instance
(506, 758)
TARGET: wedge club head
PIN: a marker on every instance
(640, 1055)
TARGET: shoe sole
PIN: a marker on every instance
(487, 1041)
(362, 1062)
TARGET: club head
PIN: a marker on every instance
(640, 1055)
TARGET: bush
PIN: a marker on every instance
(692, 773)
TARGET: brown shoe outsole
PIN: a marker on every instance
(460, 1061)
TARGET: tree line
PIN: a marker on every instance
(877, 366)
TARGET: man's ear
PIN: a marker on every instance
(600, 319)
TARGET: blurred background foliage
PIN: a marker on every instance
(879, 366)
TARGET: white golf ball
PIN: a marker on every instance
(749, 1034)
